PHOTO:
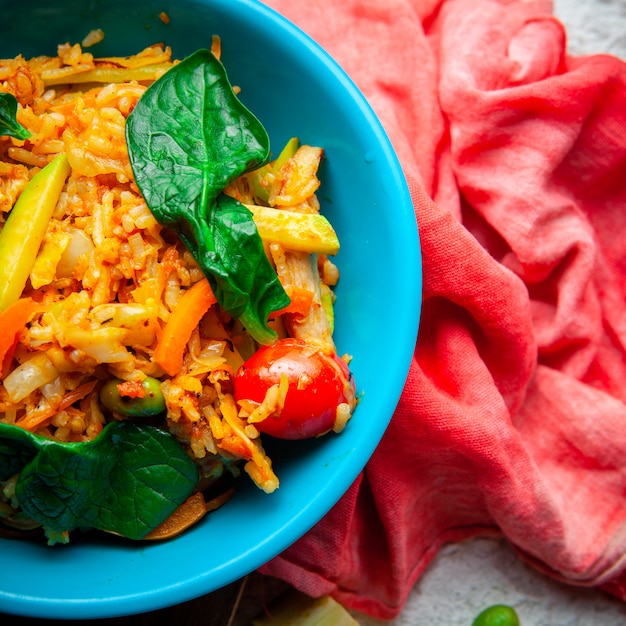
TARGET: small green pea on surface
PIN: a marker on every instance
(497, 615)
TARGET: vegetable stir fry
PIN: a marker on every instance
(166, 294)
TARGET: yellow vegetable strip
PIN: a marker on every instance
(150, 56)
(290, 149)
(303, 232)
(65, 75)
(26, 226)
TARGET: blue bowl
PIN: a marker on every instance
(294, 88)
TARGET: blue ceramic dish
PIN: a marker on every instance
(294, 88)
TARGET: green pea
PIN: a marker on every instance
(151, 404)
(497, 615)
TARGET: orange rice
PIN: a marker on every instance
(107, 276)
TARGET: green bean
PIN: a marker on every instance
(152, 403)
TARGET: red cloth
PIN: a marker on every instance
(513, 419)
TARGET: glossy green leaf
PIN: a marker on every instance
(188, 137)
(8, 118)
(17, 449)
(126, 481)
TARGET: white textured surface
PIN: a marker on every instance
(465, 578)
(594, 25)
(470, 576)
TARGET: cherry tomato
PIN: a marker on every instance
(318, 383)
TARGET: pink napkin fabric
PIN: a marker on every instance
(513, 419)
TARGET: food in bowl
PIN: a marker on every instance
(166, 293)
(295, 88)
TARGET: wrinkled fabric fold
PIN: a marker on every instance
(512, 418)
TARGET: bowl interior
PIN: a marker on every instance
(294, 88)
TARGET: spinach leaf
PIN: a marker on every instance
(188, 137)
(8, 118)
(17, 449)
(126, 481)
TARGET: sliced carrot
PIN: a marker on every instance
(192, 306)
(301, 300)
(13, 320)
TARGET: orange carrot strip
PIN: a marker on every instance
(301, 300)
(34, 420)
(12, 321)
(192, 306)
